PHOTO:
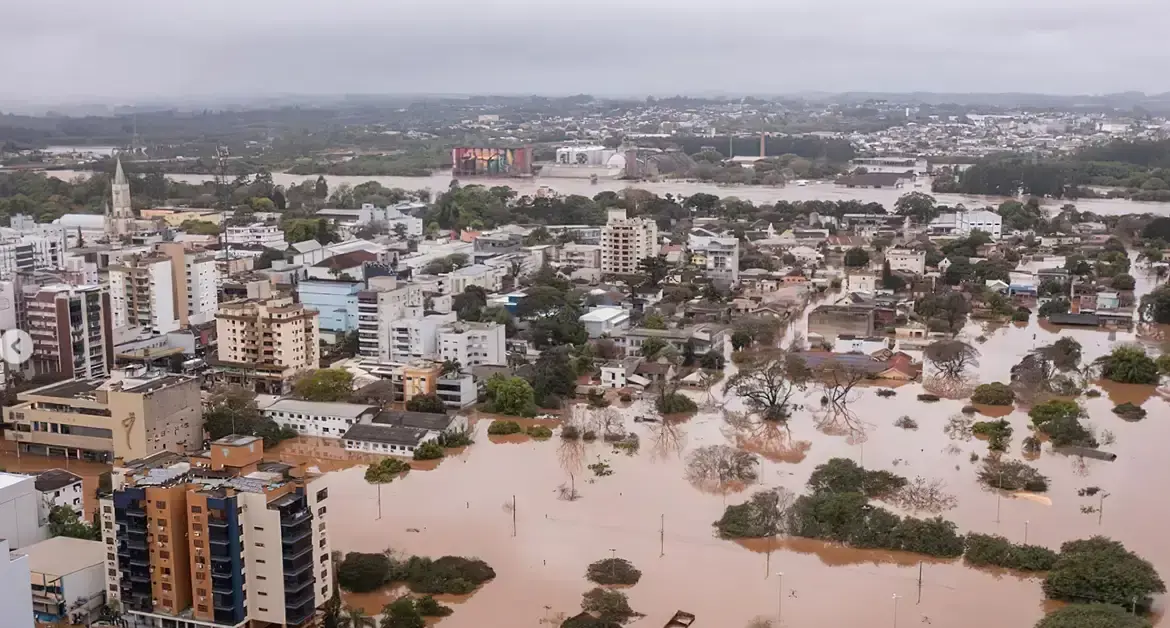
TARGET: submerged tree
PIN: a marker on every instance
(768, 387)
(722, 466)
(952, 357)
(764, 515)
(1102, 570)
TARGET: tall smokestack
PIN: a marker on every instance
(763, 145)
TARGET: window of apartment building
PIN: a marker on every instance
(162, 538)
(259, 577)
(202, 608)
(322, 494)
(324, 557)
(110, 557)
(323, 575)
(160, 504)
(164, 555)
(197, 509)
(113, 573)
(321, 511)
(166, 586)
(260, 561)
(166, 571)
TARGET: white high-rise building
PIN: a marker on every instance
(627, 241)
(472, 344)
(383, 304)
(142, 294)
(202, 288)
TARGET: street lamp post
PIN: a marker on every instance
(780, 599)
(896, 596)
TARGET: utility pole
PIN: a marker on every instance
(662, 536)
(513, 515)
(895, 610)
(1025, 532)
(998, 496)
(919, 582)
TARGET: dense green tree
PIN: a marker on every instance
(402, 613)
(511, 395)
(918, 206)
(325, 385)
(1055, 306)
(554, 375)
(856, 257)
(426, 403)
(65, 521)
(233, 410)
(842, 475)
(655, 268)
(1102, 570)
(361, 573)
(996, 551)
(1061, 421)
(1129, 364)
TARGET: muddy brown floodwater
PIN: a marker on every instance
(648, 512)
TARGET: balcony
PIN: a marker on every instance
(298, 585)
(217, 523)
(291, 537)
(296, 518)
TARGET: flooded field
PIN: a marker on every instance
(648, 512)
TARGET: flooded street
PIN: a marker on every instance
(826, 191)
(649, 513)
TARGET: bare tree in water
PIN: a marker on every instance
(952, 358)
(667, 438)
(838, 379)
(768, 385)
(722, 467)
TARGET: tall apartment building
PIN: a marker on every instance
(132, 414)
(627, 241)
(472, 344)
(413, 338)
(70, 327)
(143, 293)
(384, 302)
(196, 278)
(219, 538)
(265, 343)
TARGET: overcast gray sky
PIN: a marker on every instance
(124, 51)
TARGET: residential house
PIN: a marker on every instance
(605, 321)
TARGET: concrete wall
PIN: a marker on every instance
(18, 512)
(15, 593)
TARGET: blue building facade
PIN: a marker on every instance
(335, 301)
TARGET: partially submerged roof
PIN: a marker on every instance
(320, 408)
(55, 479)
(389, 434)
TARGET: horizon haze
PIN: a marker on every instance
(134, 51)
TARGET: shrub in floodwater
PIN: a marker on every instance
(613, 571)
(1060, 420)
(500, 427)
(906, 423)
(454, 575)
(1012, 475)
(539, 431)
(969, 410)
(994, 394)
(1129, 411)
(761, 516)
(361, 573)
(1031, 445)
(1093, 616)
(996, 551)
(998, 433)
(608, 606)
(430, 450)
(625, 398)
(675, 403)
(928, 397)
(600, 469)
(1093, 393)
(570, 432)
(842, 475)
(429, 607)
(456, 438)
(589, 435)
(886, 392)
